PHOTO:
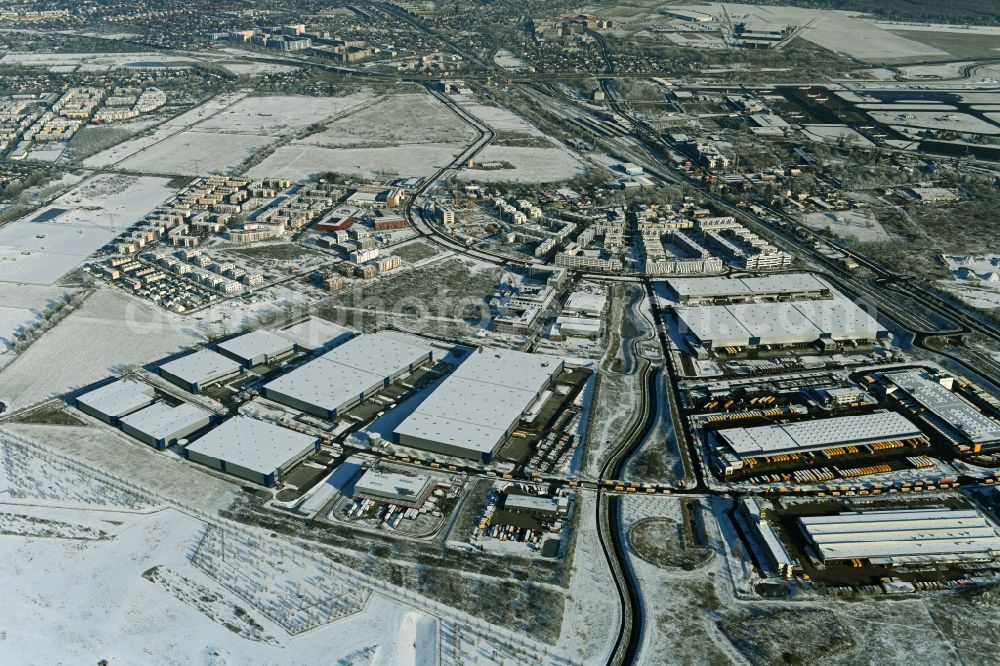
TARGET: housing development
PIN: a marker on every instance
(535, 333)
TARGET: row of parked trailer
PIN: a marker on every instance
(390, 515)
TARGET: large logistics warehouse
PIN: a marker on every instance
(250, 449)
(256, 348)
(905, 536)
(473, 412)
(115, 400)
(831, 435)
(695, 291)
(161, 425)
(194, 372)
(947, 412)
(751, 325)
(347, 375)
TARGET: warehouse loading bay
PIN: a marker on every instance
(546, 439)
(827, 426)
(885, 574)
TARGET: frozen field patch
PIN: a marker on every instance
(195, 153)
(300, 161)
(45, 245)
(412, 118)
(531, 165)
(276, 115)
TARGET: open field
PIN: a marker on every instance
(91, 61)
(298, 161)
(837, 31)
(45, 245)
(860, 225)
(89, 344)
(194, 153)
(531, 165)
(960, 44)
(406, 119)
(275, 115)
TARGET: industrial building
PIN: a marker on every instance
(250, 449)
(777, 555)
(473, 412)
(753, 325)
(948, 413)
(115, 400)
(548, 507)
(161, 425)
(903, 536)
(256, 348)
(715, 290)
(347, 375)
(861, 433)
(196, 371)
(394, 487)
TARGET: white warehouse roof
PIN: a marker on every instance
(341, 375)
(379, 354)
(255, 445)
(948, 406)
(118, 398)
(382, 482)
(709, 287)
(255, 344)
(478, 403)
(818, 434)
(162, 420)
(201, 367)
(315, 333)
(796, 322)
(928, 534)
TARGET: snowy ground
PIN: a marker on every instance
(858, 224)
(834, 133)
(92, 61)
(403, 119)
(531, 165)
(195, 153)
(98, 568)
(838, 31)
(90, 343)
(298, 161)
(275, 115)
(46, 244)
(588, 636)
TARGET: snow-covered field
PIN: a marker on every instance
(93, 61)
(838, 31)
(110, 330)
(531, 165)
(43, 246)
(275, 115)
(299, 161)
(257, 68)
(137, 578)
(834, 133)
(498, 118)
(403, 119)
(858, 224)
(195, 153)
(22, 304)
